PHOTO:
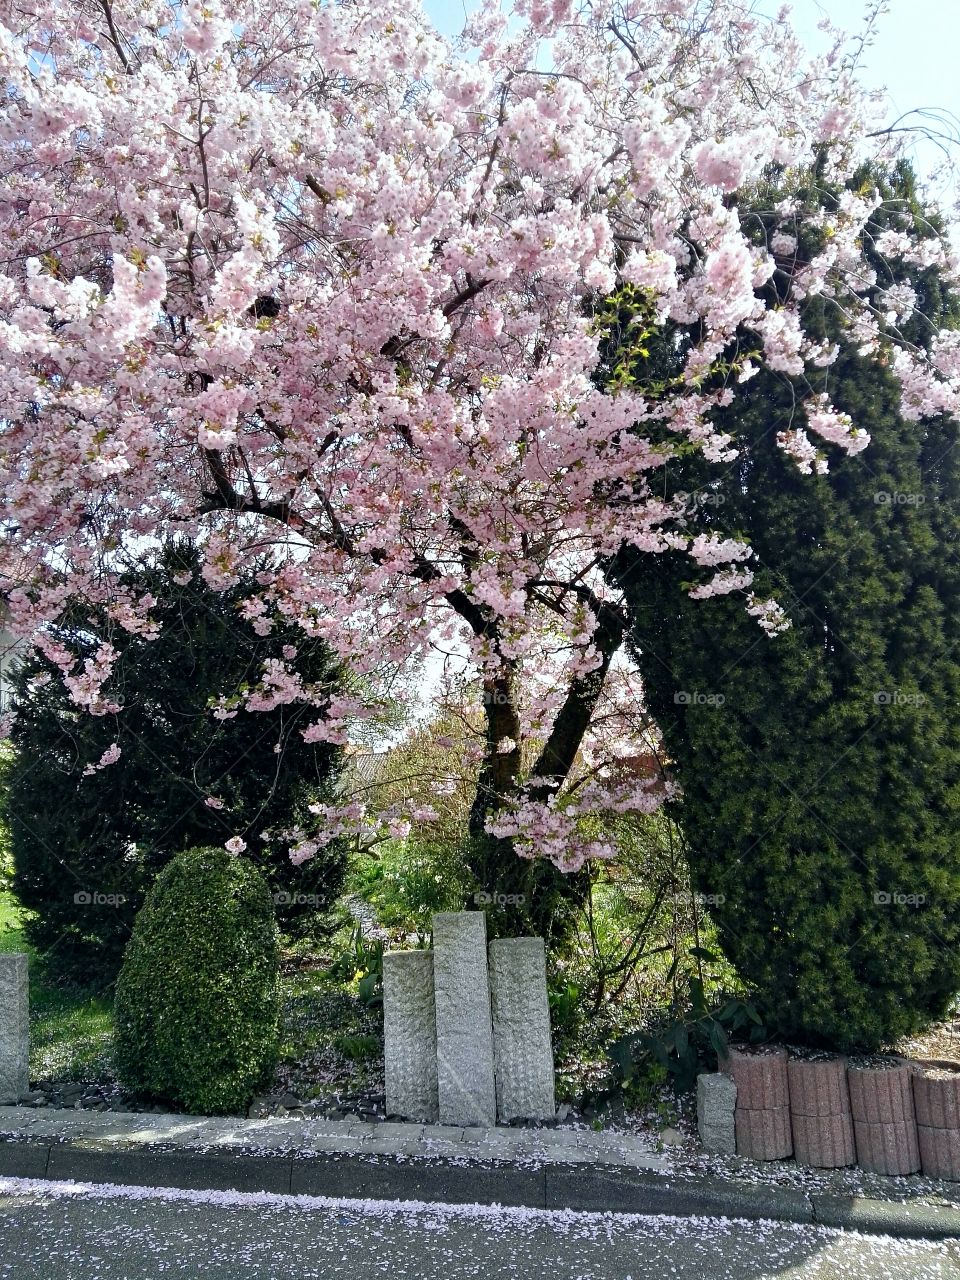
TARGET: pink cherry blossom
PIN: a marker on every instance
(314, 279)
(109, 757)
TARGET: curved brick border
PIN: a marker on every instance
(891, 1147)
(884, 1121)
(820, 1112)
(937, 1104)
(761, 1078)
(818, 1087)
(881, 1095)
(823, 1142)
(937, 1101)
(939, 1152)
(764, 1134)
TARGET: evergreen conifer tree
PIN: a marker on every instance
(87, 844)
(820, 768)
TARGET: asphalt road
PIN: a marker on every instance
(51, 1231)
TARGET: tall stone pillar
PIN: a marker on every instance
(523, 1055)
(410, 1035)
(14, 1027)
(464, 1033)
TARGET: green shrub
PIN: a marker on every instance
(821, 768)
(413, 879)
(71, 833)
(198, 1000)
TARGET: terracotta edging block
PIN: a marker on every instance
(761, 1078)
(937, 1101)
(939, 1152)
(881, 1095)
(891, 1147)
(763, 1134)
(823, 1142)
(818, 1087)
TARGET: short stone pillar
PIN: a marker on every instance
(410, 1035)
(465, 1078)
(716, 1103)
(14, 1027)
(522, 1052)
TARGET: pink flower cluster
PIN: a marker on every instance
(313, 278)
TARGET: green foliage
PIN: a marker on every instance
(7, 758)
(446, 861)
(639, 938)
(362, 963)
(358, 1048)
(197, 1011)
(70, 1026)
(821, 768)
(332, 1043)
(110, 832)
(12, 937)
(683, 1043)
(564, 998)
(411, 880)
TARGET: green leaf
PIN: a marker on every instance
(718, 1040)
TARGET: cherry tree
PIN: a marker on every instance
(306, 276)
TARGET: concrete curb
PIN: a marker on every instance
(592, 1188)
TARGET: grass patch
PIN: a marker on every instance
(12, 937)
(332, 1043)
(71, 1029)
(331, 1040)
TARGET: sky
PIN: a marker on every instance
(914, 55)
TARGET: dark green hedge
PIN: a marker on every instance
(821, 768)
(109, 833)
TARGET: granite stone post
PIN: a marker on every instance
(465, 1078)
(522, 1052)
(716, 1103)
(410, 1035)
(14, 1027)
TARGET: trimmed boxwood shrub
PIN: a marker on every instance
(197, 1011)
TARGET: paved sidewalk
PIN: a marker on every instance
(303, 1138)
(536, 1168)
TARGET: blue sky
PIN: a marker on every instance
(914, 56)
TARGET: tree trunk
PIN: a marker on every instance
(511, 887)
(523, 895)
